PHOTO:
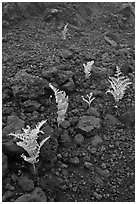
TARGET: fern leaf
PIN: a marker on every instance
(119, 84)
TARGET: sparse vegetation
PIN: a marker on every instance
(90, 155)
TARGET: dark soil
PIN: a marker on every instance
(87, 172)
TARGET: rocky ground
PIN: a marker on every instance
(90, 156)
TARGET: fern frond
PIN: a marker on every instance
(64, 31)
(87, 69)
(62, 103)
(119, 84)
(90, 99)
(29, 142)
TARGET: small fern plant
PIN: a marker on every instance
(90, 99)
(29, 142)
(64, 31)
(87, 69)
(119, 84)
(62, 103)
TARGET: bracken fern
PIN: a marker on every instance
(62, 103)
(119, 84)
(29, 142)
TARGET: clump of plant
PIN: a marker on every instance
(64, 31)
(87, 68)
(29, 142)
(62, 103)
(90, 99)
(119, 84)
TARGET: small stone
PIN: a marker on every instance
(92, 111)
(48, 74)
(64, 53)
(96, 140)
(128, 118)
(93, 150)
(97, 196)
(7, 195)
(87, 124)
(37, 195)
(74, 120)
(127, 9)
(74, 160)
(98, 182)
(65, 139)
(4, 165)
(14, 178)
(88, 165)
(87, 158)
(9, 187)
(69, 86)
(105, 173)
(14, 124)
(79, 139)
(65, 124)
(110, 41)
(25, 183)
(74, 189)
(31, 105)
(65, 172)
(111, 120)
(63, 165)
(103, 165)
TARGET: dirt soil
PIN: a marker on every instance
(77, 168)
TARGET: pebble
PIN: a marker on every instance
(65, 124)
(25, 183)
(8, 194)
(93, 150)
(88, 165)
(97, 196)
(96, 140)
(79, 139)
(103, 165)
(74, 160)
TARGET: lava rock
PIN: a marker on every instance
(63, 77)
(128, 118)
(104, 173)
(69, 86)
(99, 182)
(127, 9)
(10, 148)
(74, 160)
(98, 72)
(25, 183)
(111, 120)
(65, 124)
(49, 73)
(6, 94)
(97, 196)
(14, 124)
(96, 140)
(110, 41)
(74, 121)
(37, 195)
(4, 165)
(49, 150)
(89, 166)
(31, 105)
(78, 139)
(22, 80)
(87, 125)
(93, 111)
(65, 53)
(7, 195)
(65, 139)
